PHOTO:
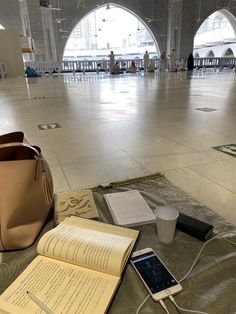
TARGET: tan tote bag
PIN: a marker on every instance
(26, 191)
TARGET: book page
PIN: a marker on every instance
(107, 228)
(104, 227)
(63, 287)
(88, 248)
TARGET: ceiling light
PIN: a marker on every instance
(50, 7)
(63, 31)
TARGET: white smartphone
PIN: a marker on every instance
(154, 274)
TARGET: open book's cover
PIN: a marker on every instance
(77, 203)
(78, 270)
(129, 208)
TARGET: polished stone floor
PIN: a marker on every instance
(119, 127)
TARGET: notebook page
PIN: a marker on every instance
(129, 208)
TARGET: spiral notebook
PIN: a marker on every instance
(129, 208)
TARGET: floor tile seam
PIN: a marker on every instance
(230, 159)
(136, 161)
(87, 161)
(213, 181)
(123, 149)
(129, 155)
(144, 127)
(196, 165)
(165, 137)
(183, 167)
(74, 162)
(223, 159)
(157, 156)
(218, 133)
(67, 181)
(62, 169)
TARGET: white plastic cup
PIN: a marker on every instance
(166, 218)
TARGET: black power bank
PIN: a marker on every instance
(194, 227)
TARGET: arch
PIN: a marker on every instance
(218, 29)
(227, 14)
(231, 18)
(196, 55)
(115, 5)
(228, 53)
(210, 54)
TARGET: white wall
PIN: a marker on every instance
(10, 52)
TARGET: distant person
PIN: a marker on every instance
(163, 61)
(112, 61)
(116, 68)
(190, 62)
(182, 65)
(146, 61)
(173, 61)
(31, 72)
(151, 66)
(123, 66)
(132, 68)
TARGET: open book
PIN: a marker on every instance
(78, 269)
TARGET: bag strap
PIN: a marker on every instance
(38, 154)
(48, 194)
(12, 137)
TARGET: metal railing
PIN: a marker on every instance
(83, 66)
(103, 65)
(214, 62)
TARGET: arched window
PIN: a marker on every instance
(210, 54)
(102, 30)
(229, 53)
(196, 55)
(217, 30)
(218, 21)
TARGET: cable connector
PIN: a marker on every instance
(164, 306)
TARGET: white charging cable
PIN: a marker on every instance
(182, 309)
(202, 248)
(142, 303)
(164, 306)
(230, 242)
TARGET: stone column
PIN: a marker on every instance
(188, 27)
(42, 31)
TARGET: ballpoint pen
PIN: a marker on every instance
(39, 303)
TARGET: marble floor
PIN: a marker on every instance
(119, 127)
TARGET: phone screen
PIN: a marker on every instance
(153, 272)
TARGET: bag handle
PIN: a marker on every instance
(17, 136)
(13, 144)
(48, 195)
